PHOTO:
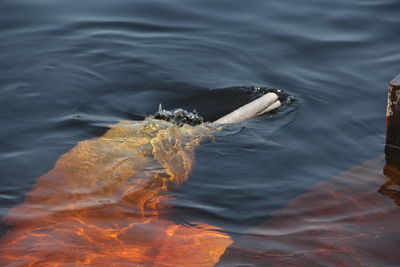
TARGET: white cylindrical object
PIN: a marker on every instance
(273, 106)
(259, 106)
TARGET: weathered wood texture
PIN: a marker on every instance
(392, 148)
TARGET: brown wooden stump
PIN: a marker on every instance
(392, 148)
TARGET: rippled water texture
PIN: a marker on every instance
(69, 69)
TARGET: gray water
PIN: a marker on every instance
(68, 69)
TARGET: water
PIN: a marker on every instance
(69, 69)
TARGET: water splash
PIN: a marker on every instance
(180, 116)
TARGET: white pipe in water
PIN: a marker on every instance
(253, 109)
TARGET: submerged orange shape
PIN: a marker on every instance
(101, 204)
(345, 221)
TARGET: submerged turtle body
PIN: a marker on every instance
(101, 203)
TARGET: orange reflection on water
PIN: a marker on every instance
(101, 204)
(344, 221)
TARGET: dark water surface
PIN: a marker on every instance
(68, 69)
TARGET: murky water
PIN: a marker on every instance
(70, 69)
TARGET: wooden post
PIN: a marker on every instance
(392, 148)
